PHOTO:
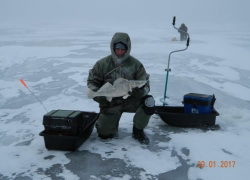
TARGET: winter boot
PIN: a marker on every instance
(140, 136)
(105, 138)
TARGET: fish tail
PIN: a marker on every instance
(90, 93)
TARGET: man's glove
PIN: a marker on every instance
(101, 100)
(136, 92)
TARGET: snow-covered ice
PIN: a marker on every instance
(53, 56)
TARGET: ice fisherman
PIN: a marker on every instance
(120, 64)
(183, 36)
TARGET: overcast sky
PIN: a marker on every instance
(114, 12)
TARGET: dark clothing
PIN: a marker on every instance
(130, 68)
(109, 118)
(109, 69)
(183, 36)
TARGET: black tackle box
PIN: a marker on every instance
(64, 121)
(68, 141)
(175, 116)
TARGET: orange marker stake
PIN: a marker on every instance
(22, 81)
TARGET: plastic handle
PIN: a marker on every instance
(188, 42)
(174, 21)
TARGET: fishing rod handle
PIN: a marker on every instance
(188, 42)
(173, 21)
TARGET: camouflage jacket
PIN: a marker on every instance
(105, 70)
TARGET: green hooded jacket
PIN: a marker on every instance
(105, 70)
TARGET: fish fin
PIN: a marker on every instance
(105, 86)
(119, 81)
(126, 96)
(90, 93)
(109, 99)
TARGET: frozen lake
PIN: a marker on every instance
(51, 45)
(54, 63)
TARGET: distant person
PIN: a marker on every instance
(120, 64)
(183, 36)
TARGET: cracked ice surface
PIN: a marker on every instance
(54, 62)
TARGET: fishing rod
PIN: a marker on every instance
(168, 69)
(32, 92)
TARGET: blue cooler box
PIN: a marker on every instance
(198, 103)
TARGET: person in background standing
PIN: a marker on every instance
(183, 36)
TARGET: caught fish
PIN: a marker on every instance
(120, 88)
